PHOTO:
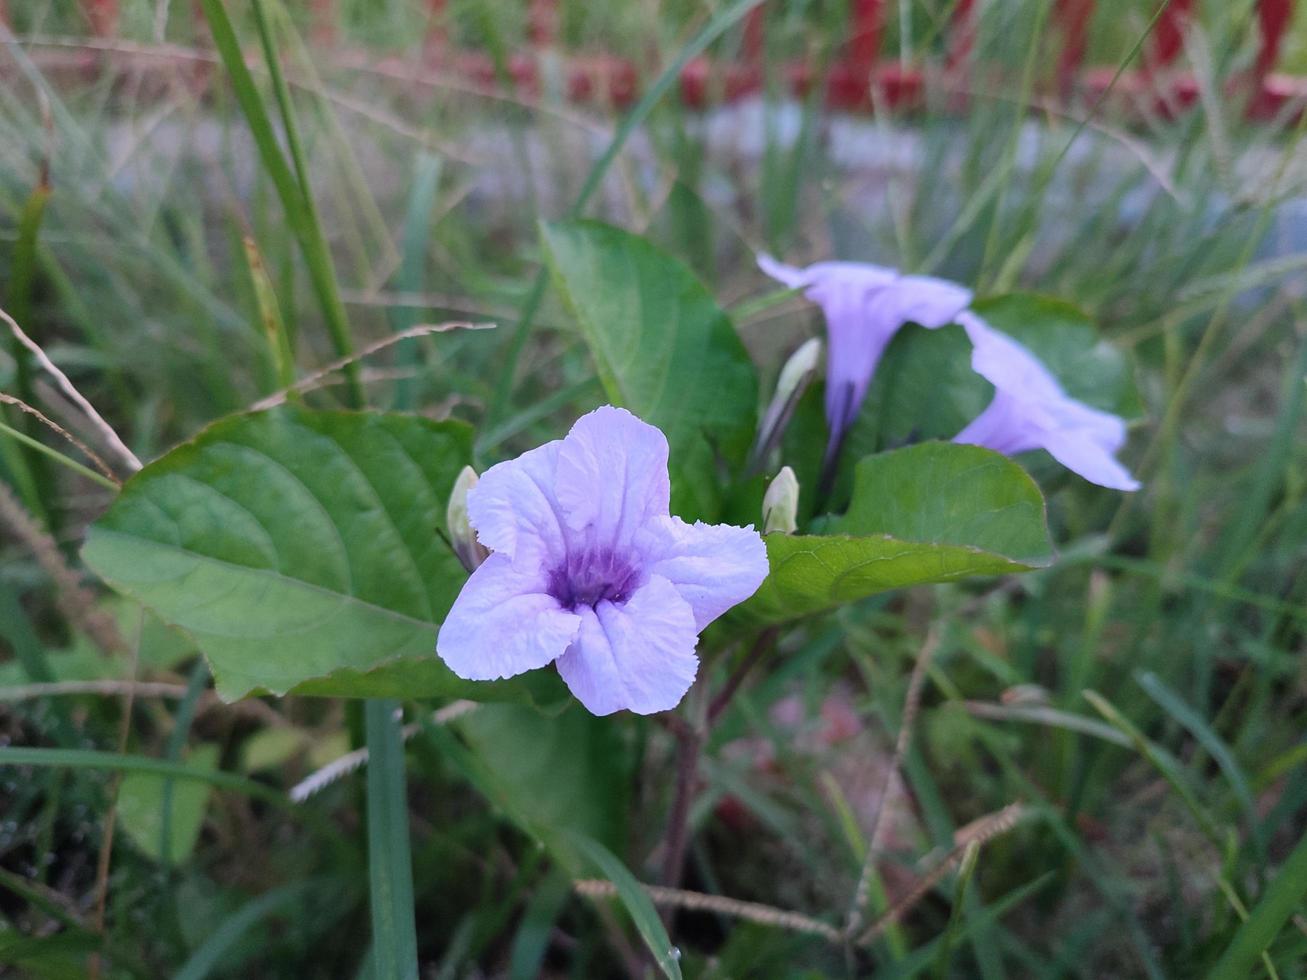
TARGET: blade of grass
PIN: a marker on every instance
(949, 939)
(280, 355)
(207, 957)
(173, 751)
(112, 761)
(715, 27)
(1165, 763)
(30, 472)
(58, 457)
(1197, 726)
(390, 869)
(1280, 900)
(412, 278)
(633, 896)
(296, 199)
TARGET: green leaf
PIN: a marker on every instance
(663, 348)
(141, 805)
(300, 550)
(934, 512)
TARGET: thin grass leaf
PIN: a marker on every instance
(57, 456)
(1197, 726)
(280, 355)
(668, 77)
(633, 896)
(296, 197)
(1282, 899)
(390, 868)
(948, 941)
(31, 474)
(411, 277)
(208, 956)
(1165, 763)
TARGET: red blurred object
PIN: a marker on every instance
(1168, 36)
(861, 80)
(102, 15)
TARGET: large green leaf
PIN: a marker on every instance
(663, 348)
(300, 550)
(934, 512)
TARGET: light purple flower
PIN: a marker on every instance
(865, 306)
(588, 570)
(1031, 411)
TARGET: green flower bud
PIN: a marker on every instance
(780, 504)
(462, 538)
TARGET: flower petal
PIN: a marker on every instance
(638, 655)
(1081, 438)
(612, 476)
(1007, 364)
(503, 624)
(925, 300)
(1007, 425)
(712, 566)
(513, 507)
(1083, 455)
(1031, 411)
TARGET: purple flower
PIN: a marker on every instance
(865, 305)
(589, 570)
(1031, 411)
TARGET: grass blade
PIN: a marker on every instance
(717, 26)
(633, 896)
(390, 870)
(411, 278)
(1281, 898)
(295, 196)
(1165, 763)
(1197, 726)
(208, 956)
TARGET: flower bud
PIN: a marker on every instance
(462, 538)
(794, 378)
(780, 504)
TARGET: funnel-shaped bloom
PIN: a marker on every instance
(588, 570)
(1031, 411)
(865, 306)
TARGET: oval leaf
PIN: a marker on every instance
(301, 550)
(934, 512)
(663, 347)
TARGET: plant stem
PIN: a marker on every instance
(689, 745)
(690, 739)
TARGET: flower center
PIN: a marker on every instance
(586, 578)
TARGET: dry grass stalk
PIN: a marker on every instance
(977, 833)
(105, 430)
(351, 761)
(99, 464)
(911, 705)
(721, 905)
(421, 330)
(75, 602)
